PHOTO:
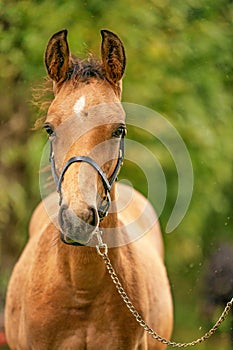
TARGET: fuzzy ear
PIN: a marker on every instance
(113, 56)
(57, 57)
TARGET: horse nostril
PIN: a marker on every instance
(64, 207)
(62, 211)
(93, 217)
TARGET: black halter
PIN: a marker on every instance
(103, 209)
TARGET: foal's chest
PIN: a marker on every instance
(84, 322)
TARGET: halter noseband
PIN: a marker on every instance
(107, 183)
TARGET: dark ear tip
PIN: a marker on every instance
(102, 32)
(105, 33)
(62, 34)
(65, 32)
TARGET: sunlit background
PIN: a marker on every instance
(179, 63)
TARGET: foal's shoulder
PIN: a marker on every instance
(45, 213)
(139, 217)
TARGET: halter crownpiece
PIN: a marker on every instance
(107, 183)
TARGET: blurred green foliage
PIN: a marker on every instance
(179, 63)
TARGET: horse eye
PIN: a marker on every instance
(121, 131)
(49, 130)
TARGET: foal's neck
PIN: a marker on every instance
(83, 265)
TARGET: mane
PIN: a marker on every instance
(81, 71)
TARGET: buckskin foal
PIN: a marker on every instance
(60, 295)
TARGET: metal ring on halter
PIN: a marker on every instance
(101, 244)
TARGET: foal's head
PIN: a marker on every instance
(85, 120)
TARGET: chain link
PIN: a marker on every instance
(139, 318)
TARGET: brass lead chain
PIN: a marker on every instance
(139, 318)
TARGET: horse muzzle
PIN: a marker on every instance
(77, 229)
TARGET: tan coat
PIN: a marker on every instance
(61, 297)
